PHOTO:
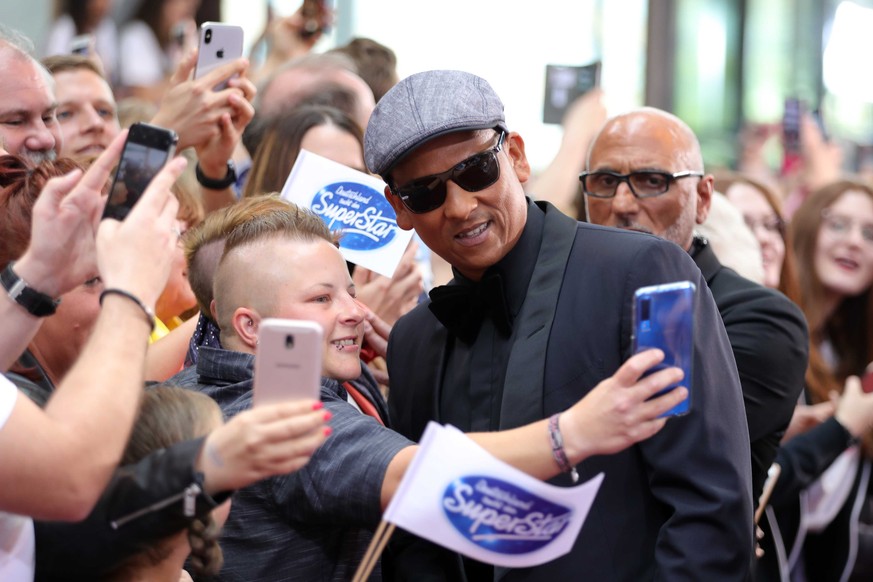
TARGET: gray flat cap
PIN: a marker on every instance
(424, 106)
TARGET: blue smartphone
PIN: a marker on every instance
(664, 319)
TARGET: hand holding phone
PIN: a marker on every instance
(219, 44)
(288, 361)
(664, 318)
(145, 152)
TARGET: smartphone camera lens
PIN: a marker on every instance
(289, 341)
(207, 37)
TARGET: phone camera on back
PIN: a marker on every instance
(289, 341)
(207, 37)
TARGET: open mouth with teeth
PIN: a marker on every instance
(475, 232)
(344, 344)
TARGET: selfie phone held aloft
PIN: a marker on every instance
(791, 119)
(219, 44)
(287, 361)
(565, 84)
(664, 319)
(81, 44)
(146, 151)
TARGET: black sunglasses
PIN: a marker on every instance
(473, 174)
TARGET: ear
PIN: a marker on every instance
(404, 217)
(705, 188)
(245, 324)
(213, 311)
(515, 149)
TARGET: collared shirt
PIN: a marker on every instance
(316, 523)
(472, 388)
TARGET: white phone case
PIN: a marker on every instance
(288, 361)
(219, 44)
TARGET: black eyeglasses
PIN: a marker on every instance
(644, 184)
(473, 174)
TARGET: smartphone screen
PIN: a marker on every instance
(287, 361)
(219, 44)
(664, 319)
(146, 150)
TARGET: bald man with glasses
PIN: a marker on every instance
(645, 173)
(538, 312)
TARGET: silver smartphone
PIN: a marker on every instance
(219, 44)
(287, 361)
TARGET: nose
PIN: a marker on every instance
(352, 312)
(93, 120)
(41, 139)
(624, 203)
(459, 203)
(856, 235)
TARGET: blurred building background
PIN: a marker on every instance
(718, 64)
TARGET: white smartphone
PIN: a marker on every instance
(287, 361)
(219, 44)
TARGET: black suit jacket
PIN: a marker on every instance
(677, 506)
(770, 343)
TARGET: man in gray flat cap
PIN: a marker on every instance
(539, 312)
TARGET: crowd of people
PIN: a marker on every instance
(130, 448)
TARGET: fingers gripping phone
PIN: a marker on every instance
(287, 361)
(219, 44)
(146, 150)
(664, 318)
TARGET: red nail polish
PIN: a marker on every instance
(327, 431)
(318, 405)
(327, 415)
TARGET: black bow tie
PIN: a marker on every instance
(461, 308)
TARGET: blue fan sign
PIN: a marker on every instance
(503, 518)
(367, 220)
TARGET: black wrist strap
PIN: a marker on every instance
(36, 303)
(226, 182)
(150, 315)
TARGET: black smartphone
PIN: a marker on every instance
(564, 84)
(664, 319)
(146, 150)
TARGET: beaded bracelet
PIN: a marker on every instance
(150, 315)
(558, 448)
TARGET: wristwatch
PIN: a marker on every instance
(36, 303)
(228, 180)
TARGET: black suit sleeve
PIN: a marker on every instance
(769, 340)
(805, 457)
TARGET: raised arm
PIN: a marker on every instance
(613, 416)
(77, 441)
